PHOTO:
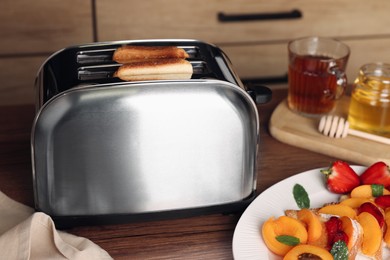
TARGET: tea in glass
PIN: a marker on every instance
(316, 74)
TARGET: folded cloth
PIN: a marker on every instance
(26, 234)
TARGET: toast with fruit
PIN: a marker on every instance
(334, 228)
(355, 227)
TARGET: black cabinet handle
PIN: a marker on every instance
(293, 14)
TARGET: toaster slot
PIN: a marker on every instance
(104, 56)
(192, 51)
(98, 72)
(95, 56)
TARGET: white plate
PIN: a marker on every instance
(247, 240)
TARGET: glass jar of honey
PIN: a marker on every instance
(369, 109)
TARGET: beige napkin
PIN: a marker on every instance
(26, 234)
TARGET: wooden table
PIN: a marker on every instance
(202, 237)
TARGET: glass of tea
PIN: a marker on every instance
(316, 74)
(369, 109)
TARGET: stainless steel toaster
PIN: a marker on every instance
(109, 151)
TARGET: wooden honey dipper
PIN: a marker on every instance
(338, 127)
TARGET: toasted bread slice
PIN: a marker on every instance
(130, 54)
(157, 69)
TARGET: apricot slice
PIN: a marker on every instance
(350, 229)
(354, 202)
(313, 224)
(372, 234)
(355, 235)
(386, 236)
(283, 225)
(308, 252)
(387, 213)
(365, 191)
(338, 210)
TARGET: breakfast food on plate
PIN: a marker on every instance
(157, 69)
(152, 63)
(131, 53)
(357, 225)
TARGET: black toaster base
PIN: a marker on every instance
(67, 222)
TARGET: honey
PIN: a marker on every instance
(369, 109)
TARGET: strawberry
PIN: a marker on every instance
(341, 178)
(373, 210)
(333, 225)
(383, 201)
(339, 235)
(377, 173)
(334, 231)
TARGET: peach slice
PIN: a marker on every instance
(386, 236)
(354, 202)
(312, 222)
(372, 234)
(365, 191)
(348, 228)
(387, 213)
(355, 235)
(283, 225)
(338, 210)
(308, 252)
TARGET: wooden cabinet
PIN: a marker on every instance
(253, 33)
(30, 32)
(257, 47)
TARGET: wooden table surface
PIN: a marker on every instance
(201, 237)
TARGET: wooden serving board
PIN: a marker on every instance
(294, 129)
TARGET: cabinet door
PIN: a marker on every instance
(18, 76)
(124, 19)
(42, 26)
(270, 60)
(30, 32)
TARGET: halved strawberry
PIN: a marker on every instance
(383, 201)
(373, 210)
(377, 173)
(341, 178)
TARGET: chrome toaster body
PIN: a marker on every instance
(103, 149)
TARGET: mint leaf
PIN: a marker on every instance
(377, 190)
(339, 250)
(301, 197)
(288, 240)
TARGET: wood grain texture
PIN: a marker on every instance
(18, 77)
(191, 19)
(200, 237)
(43, 26)
(33, 30)
(296, 130)
(30, 32)
(265, 60)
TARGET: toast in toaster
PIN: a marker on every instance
(155, 69)
(129, 53)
